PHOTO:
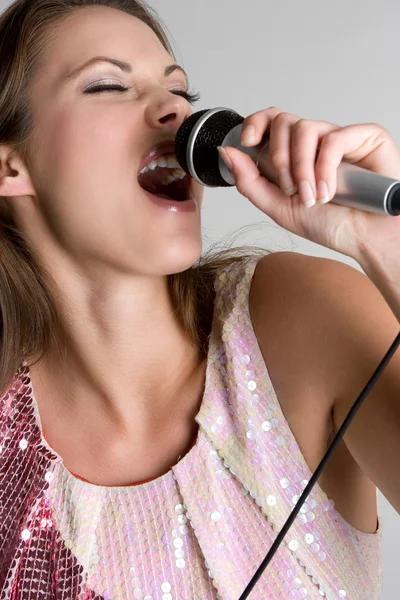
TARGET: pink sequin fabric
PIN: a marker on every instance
(200, 531)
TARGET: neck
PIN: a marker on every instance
(125, 357)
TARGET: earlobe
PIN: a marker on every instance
(14, 175)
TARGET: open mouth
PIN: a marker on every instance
(169, 182)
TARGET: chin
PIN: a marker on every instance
(181, 258)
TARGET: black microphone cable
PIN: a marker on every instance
(378, 372)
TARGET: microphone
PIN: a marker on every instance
(196, 150)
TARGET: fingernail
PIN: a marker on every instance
(323, 193)
(248, 135)
(224, 155)
(307, 194)
(286, 182)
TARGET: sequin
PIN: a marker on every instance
(309, 538)
(201, 530)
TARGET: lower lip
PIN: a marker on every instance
(172, 205)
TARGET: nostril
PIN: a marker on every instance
(168, 118)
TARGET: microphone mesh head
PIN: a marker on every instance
(205, 153)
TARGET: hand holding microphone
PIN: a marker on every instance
(361, 191)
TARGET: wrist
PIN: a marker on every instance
(382, 267)
(376, 261)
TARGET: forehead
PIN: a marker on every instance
(100, 29)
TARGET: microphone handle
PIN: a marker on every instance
(356, 187)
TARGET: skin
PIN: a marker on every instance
(128, 366)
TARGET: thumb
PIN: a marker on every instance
(248, 179)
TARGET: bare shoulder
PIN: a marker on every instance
(320, 311)
(288, 307)
(296, 306)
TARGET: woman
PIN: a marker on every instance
(146, 451)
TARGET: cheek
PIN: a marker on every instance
(88, 162)
(84, 173)
(89, 150)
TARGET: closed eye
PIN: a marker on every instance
(101, 88)
(191, 97)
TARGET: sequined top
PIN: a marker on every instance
(198, 532)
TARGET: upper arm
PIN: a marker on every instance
(363, 329)
(348, 327)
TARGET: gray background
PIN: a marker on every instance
(334, 61)
(331, 61)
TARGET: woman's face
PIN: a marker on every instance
(88, 148)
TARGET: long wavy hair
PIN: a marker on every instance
(29, 316)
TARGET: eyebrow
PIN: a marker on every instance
(124, 66)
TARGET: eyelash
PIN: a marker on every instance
(191, 97)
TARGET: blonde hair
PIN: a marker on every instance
(29, 317)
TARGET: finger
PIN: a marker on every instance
(306, 136)
(329, 158)
(250, 183)
(257, 125)
(280, 150)
(352, 144)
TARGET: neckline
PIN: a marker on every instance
(138, 485)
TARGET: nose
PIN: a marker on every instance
(167, 111)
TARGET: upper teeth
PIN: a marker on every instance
(168, 161)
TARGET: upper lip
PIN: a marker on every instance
(166, 147)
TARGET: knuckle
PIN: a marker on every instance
(299, 163)
(242, 189)
(261, 114)
(272, 112)
(332, 135)
(383, 132)
(281, 118)
(302, 170)
(249, 121)
(301, 125)
(284, 117)
(279, 158)
(241, 184)
(379, 127)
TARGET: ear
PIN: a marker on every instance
(14, 175)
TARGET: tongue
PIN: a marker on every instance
(155, 176)
(164, 196)
(152, 182)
